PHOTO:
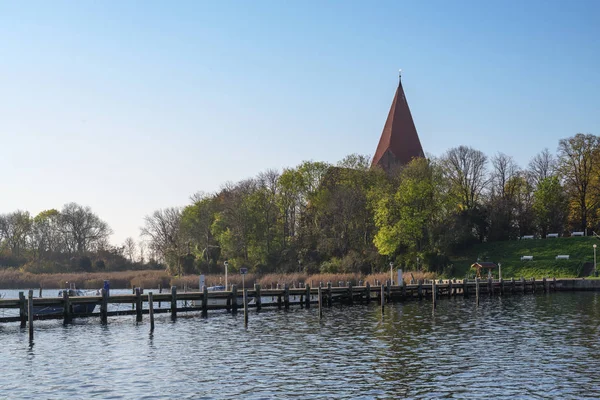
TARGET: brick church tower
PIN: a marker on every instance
(399, 142)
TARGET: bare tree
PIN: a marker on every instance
(82, 228)
(162, 229)
(542, 166)
(579, 163)
(504, 171)
(130, 247)
(465, 169)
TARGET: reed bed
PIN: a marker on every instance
(15, 279)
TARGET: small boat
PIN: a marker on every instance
(76, 308)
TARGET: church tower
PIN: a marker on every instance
(399, 142)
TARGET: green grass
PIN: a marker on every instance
(544, 252)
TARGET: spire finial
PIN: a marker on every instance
(400, 74)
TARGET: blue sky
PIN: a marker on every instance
(133, 106)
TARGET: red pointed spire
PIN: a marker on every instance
(399, 142)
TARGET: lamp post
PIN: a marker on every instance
(391, 273)
(226, 265)
(594, 260)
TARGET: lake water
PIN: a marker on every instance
(519, 346)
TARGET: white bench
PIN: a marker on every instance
(526, 258)
(577, 233)
(562, 257)
(552, 235)
(527, 237)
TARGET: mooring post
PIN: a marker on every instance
(389, 291)
(159, 291)
(40, 295)
(434, 293)
(138, 305)
(30, 314)
(245, 299)
(320, 296)
(307, 295)
(533, 285)
(523, 283)
(329, 295)
(449, 287)
(22, 309)
(368, 292)
(382, 298)
(554, 284)
(286, 296)
(173, 302)
(204, 301)
(501, 286)
(67, 307)
(104, 307)
(512, 285)
(257, 294)
(465, 288)
(151, 310)
(350, 294)
(420, 289)
(234, 304)
(477, 291)
(545, 285)
(133, 303)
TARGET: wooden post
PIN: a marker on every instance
(368, 292)
(389, 291)
(512, 285)
(434, 293)
(159, 291)
(382, 296)
(465, 288)
(449, 287)
(545, 284)
(523, 283)
(133, 304)
(554, 284)
(501, 286)
(320, 296)
(490, 286)
(477, 291)
(307, 295)
(138, 305)
(420, 289)
(245, 299)
(204, 301)
(104, 307)
(257, 294)
(30, 314)
(533, 285)
(67, 307)
(278, 300)
(329, 295)
(234, 304)
(151, 310)
(173, 302)
(350, 294)
(40, 295)
(286, 296)
(22, 309)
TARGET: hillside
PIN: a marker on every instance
(544, 251)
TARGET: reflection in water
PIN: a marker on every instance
(536, 346)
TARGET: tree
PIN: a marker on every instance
(542, 166)
(46, 237)
(15, 227)
(550, 206)
(162, 229)
(579, 164)
(465, 169)
(82, 229)
(129, 248)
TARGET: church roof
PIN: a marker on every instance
(399, 136)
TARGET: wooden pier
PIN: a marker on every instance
(282, 298)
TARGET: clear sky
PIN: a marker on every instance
(131, 106)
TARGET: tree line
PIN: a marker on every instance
(70, 240)
(348, 217)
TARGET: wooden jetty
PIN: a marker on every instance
(322, 295)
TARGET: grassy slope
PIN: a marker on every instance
(544, 251)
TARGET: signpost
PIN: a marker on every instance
(243, 271)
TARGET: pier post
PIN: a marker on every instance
(151, 310)
(501, 286)
(477, 291)
(389, 291)
(449, 287)
(545, 284)
(329, 295)
(245, 299)
(67, 307)
(320, 296)
(554, 284)
(159, 291)
(420, 289)
(173, 302)
(286, 296)
(138, 305)
(278, 299)
(257, 294)
(30, 314)
(234, 304)
(490, 286)
(307, 300)
(523, 283)
(22, 309)
(532, 285)
(465, 288)
(368, 292)
(512, 285)
(204, 301)
(40, 295)
(133, 303)
(382, 296)
(104, 307)
(350, 294)
(434, 294)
